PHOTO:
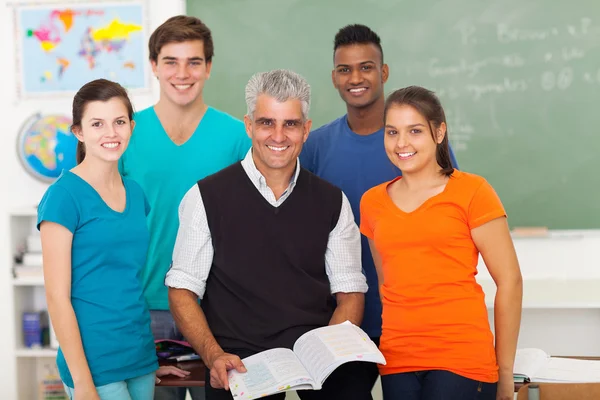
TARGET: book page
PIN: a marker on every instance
(569, 370)
(529, 361)
(269, 372)
(324, 349)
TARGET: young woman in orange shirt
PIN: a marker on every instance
(426, 230)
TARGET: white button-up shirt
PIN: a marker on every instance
(193, 252)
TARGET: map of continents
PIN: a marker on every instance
(63, 48)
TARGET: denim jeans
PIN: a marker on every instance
(435, 385)
(139, 388)
(163, 327)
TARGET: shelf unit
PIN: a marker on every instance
(28, 281)
(32, 365)
(35, 353)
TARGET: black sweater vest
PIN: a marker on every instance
(267, 284)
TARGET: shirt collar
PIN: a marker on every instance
(258, 179)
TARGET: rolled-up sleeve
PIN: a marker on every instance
(343, 256)
(193, 251)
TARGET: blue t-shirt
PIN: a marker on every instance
(107, 256)
(354, 163)
(166, 171)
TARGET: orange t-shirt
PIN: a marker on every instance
(434, 312)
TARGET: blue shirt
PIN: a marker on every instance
(166, 171)
(354, 163)
(107, 255)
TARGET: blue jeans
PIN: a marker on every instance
(163, 327)
(435, 385)
(139, 388)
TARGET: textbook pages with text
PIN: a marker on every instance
(315, 355)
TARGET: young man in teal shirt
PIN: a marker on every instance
(177, 142)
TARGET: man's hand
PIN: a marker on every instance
(219, 367)
(506, 387)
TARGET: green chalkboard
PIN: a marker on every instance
(519, 79)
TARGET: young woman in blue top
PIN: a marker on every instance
(94, 242)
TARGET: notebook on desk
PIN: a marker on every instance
(564, 391)
(535, 365)
(175, 350)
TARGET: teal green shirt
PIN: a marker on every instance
(166, 171)
(108, 252)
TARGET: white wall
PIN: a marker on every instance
(19, 189)
(561, 296)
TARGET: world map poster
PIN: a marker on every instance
(62, 47)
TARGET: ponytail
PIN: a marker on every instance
(80, 152)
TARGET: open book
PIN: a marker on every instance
(315, 356)
(536, 366)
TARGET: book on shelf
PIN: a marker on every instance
(32, 259)
(35, 329)
(27, 271)
(315, 355)
(50, 384)
(535, 365)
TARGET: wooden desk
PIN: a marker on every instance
(195, 378)
(564, 391)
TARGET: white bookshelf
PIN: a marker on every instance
(25, 352)
(27, 294)
(32, 281)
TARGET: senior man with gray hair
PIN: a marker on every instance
(271, 250)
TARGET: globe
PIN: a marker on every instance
(46, 146)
